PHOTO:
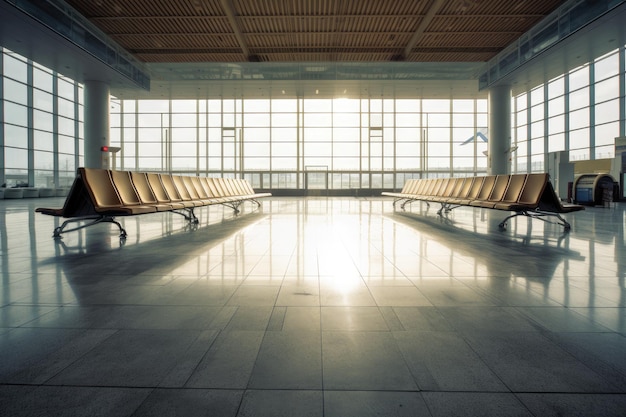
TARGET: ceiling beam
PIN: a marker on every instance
(311, 17)
(230, 13)
(317, 49)
(432, 11)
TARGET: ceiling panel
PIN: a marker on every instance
(329, 30)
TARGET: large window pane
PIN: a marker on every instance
(579, 139)
(556, 87)
(579, 118)
(606, 67)
(284, 119)
(284, 105)
(15, 136)
(256, 119)
(15, 91)
(44, 160)
(579, 78)
(15, 157)
(43, 141)
(65, 89)
(42, 100)
(184, 120)
(579, 99)
(606, 133)
(15, 68)
(607, 90)
(607, 112)
(67, 144)
(15, 113)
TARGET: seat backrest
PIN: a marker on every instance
(156, 185)
(142, 186)
(191, 188)
(499, 188)
(549, 201)
(439, 184)
(450, 186)
(513, 191)
(170, 188)
(125, 188)
(247, 187)
(204, 181)
(228, 184)
(408, 184)
(100, 187)
(217, 192)
(78, 201)
(458, 186)
(240, 186)
(200, 190)
(430, 189)
(219, 184)
(467, 186)
(179, 182)
(485, 190)
(422, 183)
(442, 187)
(477, 185)
(533, 188)
(411, 186)
(234, 189)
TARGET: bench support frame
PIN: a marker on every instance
(188, 214)
(410, 201)
(539, 215)
(113, 194)
(236, 204)
(91, 220)
(540, 202)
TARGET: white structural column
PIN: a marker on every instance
(499, 129)
(96, 124)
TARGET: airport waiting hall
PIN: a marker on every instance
(312, 208)
(317, 306)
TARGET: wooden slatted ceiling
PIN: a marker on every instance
(313, 30)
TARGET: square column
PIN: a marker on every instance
(96, 110)
(499, 130)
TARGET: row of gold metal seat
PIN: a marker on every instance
(139, 192)
(98, 195)
(503, 192)
(529, 195)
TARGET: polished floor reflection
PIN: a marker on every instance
(314, 307)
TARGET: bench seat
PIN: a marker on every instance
(529, 195)
(99, 195)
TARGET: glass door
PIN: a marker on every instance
(316, 180)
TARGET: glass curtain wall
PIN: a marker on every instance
(581, 111)
(41, 140)
(279, 143)
(282, 143)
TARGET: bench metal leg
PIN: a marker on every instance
(94, 220)
(188, 214)
(395, 200)
(410, 201)
(446, 208)
(540, 215)
(235, 205)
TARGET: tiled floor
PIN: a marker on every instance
(314, 307)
